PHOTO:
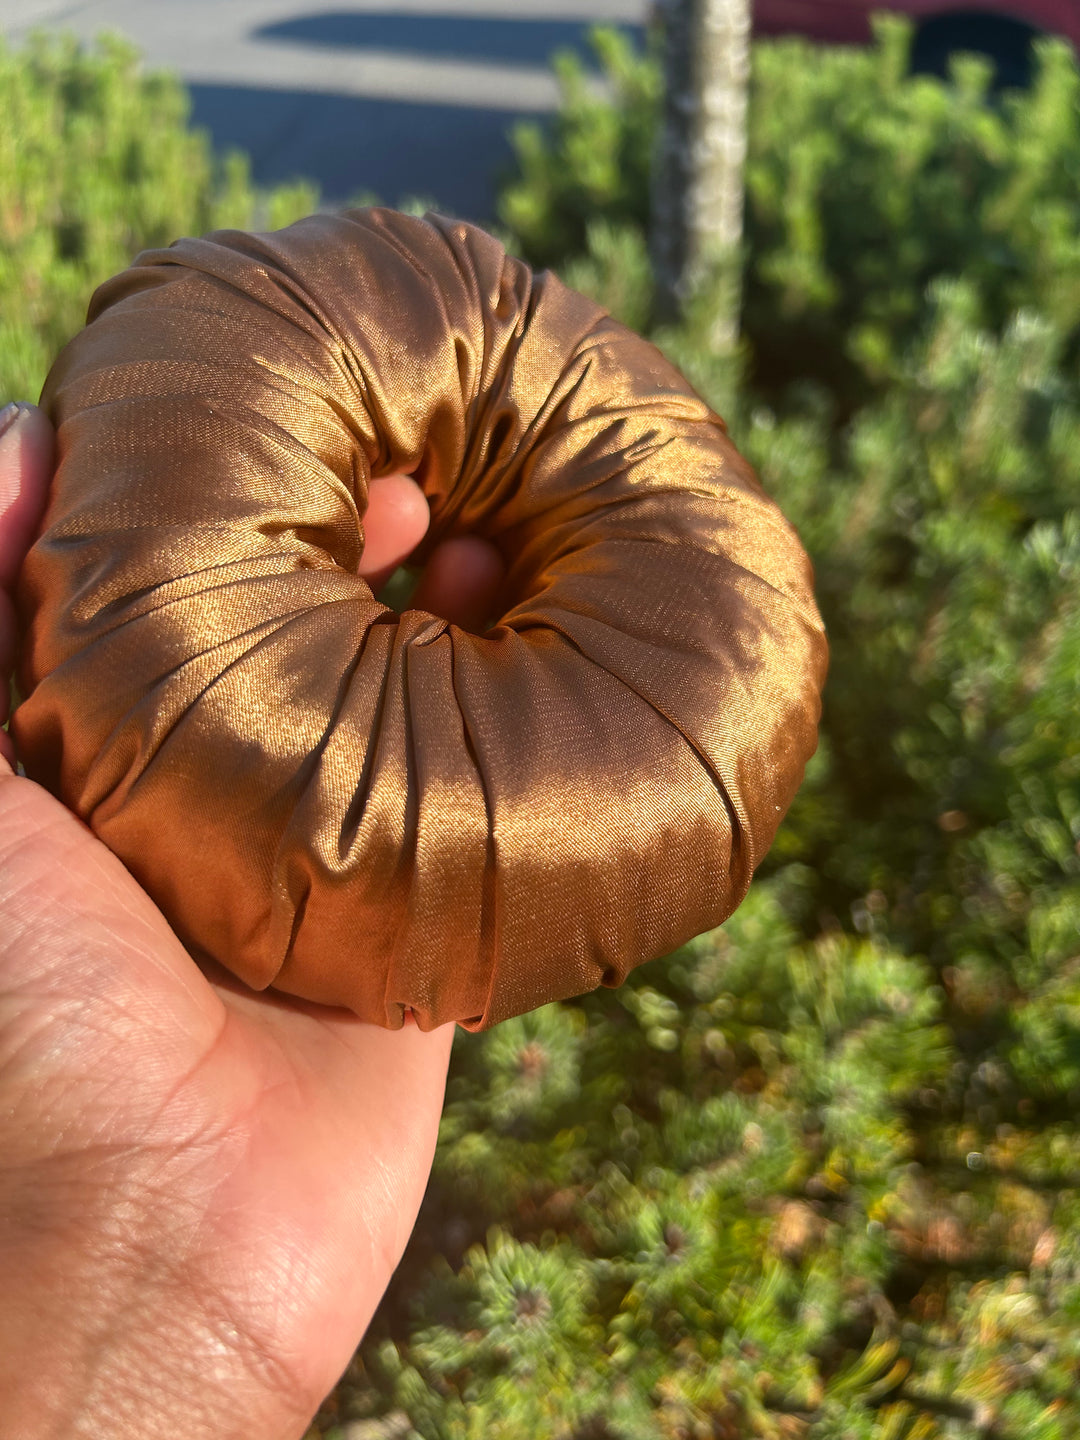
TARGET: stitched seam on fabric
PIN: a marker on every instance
(411, 827)
(489, 917)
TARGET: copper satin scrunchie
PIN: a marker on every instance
(381, 811)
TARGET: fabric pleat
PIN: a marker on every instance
(382, 811)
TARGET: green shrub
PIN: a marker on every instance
(98, 165)
(863, 185)
(596, 163)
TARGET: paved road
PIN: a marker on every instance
(407, 98)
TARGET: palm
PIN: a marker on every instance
(286, 1148)
(274, 1154)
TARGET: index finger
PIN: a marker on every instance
(26, 460)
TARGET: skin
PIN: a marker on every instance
(204, 1191)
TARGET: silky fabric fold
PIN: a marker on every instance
(382, 811)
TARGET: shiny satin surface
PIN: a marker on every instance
(380, 811)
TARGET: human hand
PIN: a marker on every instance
(203, 1190)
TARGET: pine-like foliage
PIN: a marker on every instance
(817, 1175)
(97, 164)
(863, 184)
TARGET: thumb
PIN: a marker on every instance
(26, 455)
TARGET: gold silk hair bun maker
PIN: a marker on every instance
(383, 811)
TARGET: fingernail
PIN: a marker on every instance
(8, 416)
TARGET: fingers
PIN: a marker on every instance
(396, 521)
(462, 578)
(7, 647)
(7, 661)
(461, 582)
(26, 454)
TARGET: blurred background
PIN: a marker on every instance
(392, 99)
(817, 1175)
(416, 98)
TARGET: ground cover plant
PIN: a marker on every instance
(818, 1174)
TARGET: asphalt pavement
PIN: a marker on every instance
(399, 100)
